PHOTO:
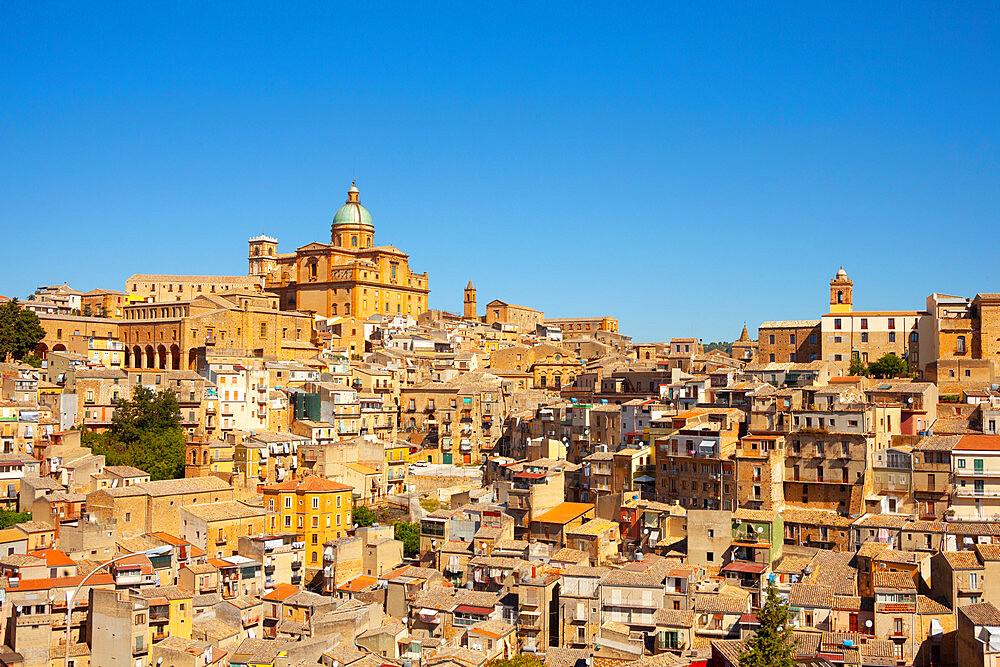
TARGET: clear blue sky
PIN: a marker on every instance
(681, 166)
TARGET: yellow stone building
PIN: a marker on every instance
(318, 508)
(350, 275)
(177, 334)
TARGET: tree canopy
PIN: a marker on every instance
(857, 367)
(409, 534)
(9, 517)
(20, 331)
(888, 366)
(145, 433)
(772, 645)
(362, 516)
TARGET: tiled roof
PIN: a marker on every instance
(962, 560)
(711, 603)
(898, 580)
(811, 595)
(926, 605)
(564, 513)
(983, 613)
(978, 443)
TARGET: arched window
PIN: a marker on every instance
(336, 241)
(354, 241)
(312, 268)
(840, 296)
(334, 309)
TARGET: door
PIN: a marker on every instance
(853, 623)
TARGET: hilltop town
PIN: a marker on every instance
(343, 476)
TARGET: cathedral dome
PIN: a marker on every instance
(352, 212)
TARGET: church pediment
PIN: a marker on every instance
(314, 246)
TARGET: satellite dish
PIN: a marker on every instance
(868, 624)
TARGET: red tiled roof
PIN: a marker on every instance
(45, 583)
(979, 442)
(743, 566)
(309, 484)
(53, 557)
(280, 593)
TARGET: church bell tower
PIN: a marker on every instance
(470, 302)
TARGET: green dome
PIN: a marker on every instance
(352, 212)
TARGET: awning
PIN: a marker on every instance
(428, 615)
(645, 479)
(470, 609)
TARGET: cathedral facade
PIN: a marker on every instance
(348, 276)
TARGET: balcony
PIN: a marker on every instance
(976, 493)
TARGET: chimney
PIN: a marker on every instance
(534, 573)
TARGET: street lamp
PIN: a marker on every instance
(71, 595)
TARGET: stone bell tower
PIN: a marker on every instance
(841, 293)
(470, 302)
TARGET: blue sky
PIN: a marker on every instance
(685, 167)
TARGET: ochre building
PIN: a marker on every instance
(350, 275)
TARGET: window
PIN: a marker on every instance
(892, 336)
(960, 345)
(812, 339)
(914, 337)
(791, 339)
(710, 556)
(315, 503)
(864, 322)
(263, 329)
(288, 502)
(354, 241)
(770, 339)
(961, 463)
(864, 337)
(836, 323)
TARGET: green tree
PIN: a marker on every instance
(409, 534)
(33, 360)
(20, 331)
(9, 517)
(145, 433)
(362, 517)
(857, 367)
(772, 645)
(888, 366)
(516, 661)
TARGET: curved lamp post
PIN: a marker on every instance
(71, 595)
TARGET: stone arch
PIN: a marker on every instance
(194, 457)
(59, 347)
(150, 357)
(193, 359)
(161, 357)
(42, 350)
(175, 358)
(137, 356)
